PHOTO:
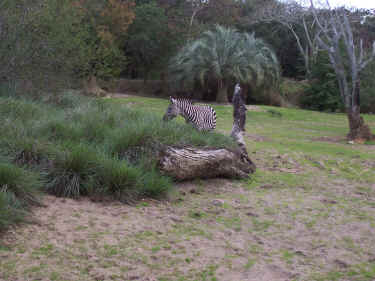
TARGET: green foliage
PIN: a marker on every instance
(93, 147)
(19, 190)
(283, 42)
(71, 172)
(55, 43)
(59, 130)
(368, 89)
(68, 99)
(43, 40)
(27, 151)
(106, 62)
(22, 184)
(148, 43)
(104, 24)
(10, 211)
(79, 146)
(119, 179)
(19, 109)
(154, 184)
(322, 93)
(292, 90)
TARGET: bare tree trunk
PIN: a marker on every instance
(91, 87)
(239, 111)
(358, 130)
(222, 93)
(239, 122)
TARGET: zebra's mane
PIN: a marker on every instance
(184, 100)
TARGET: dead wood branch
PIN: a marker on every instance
(190, 163)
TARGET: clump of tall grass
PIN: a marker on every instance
(119, 179)
(146, 129)
(152, 183)
(127, 183)
(19, 191)
(66, 100)
(24, 185)
(30, 152)
(19, 109)
(10, 211)
(71, 171)
(59, 130)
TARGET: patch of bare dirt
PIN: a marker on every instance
(83, 240)
(255, 108)
(283, 163)
(121, 95)
(333, 139)
(256, 137)
(216, 228)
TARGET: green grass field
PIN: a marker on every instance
(308, 213)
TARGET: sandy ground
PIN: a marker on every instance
(212, 230)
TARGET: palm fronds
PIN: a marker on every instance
(224, 54)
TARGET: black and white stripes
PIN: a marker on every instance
(202, 117)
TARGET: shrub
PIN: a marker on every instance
(368, 89)
(322, 93)
(19, 109)
(94, 130)
(66, 100)
(154, 185)
(24, 185)
(322, 96)
(31, 152)
(60, 130)
(292, 91)
(19, 191)
(119, 179)
(10, 210)
(71, 171)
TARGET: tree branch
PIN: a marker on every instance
(366, 62)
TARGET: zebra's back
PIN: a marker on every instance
(203, 117)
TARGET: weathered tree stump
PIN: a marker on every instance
(92, 88)
(239, 122)
(191, 163)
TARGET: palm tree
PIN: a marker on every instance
(225, 55)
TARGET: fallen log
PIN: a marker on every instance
(191, 163)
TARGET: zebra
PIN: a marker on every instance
(202, 117)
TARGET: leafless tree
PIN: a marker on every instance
(348, 59)
(196, 6)
(293, 15)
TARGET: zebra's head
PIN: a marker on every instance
(172, 111)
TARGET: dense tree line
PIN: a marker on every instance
(51, 41)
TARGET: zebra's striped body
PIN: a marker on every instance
(202, 117)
